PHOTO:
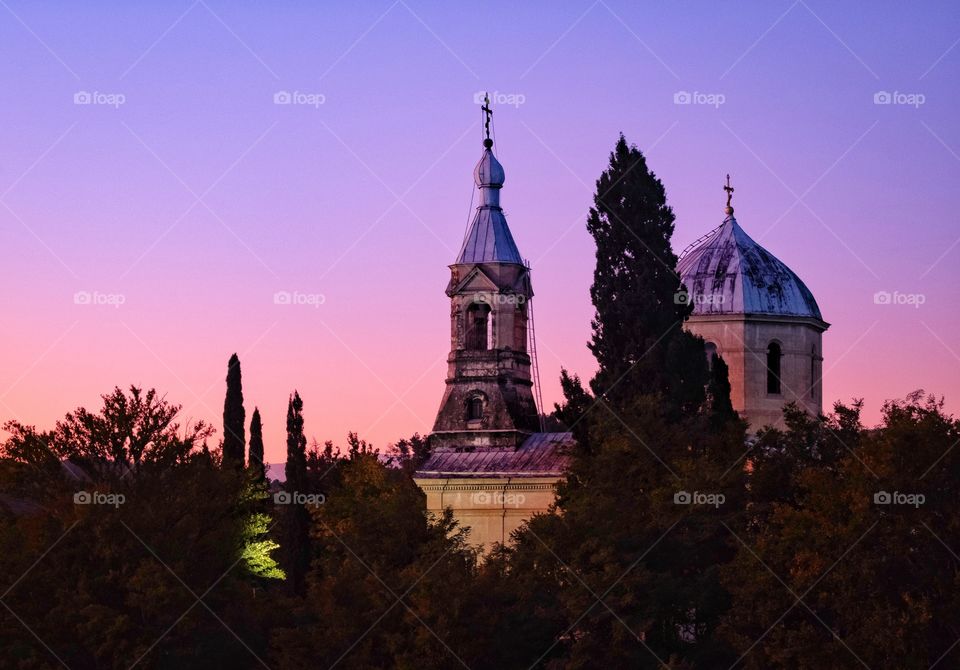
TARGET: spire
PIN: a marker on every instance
(729, 189)
(489, 238)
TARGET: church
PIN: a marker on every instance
(491, 462)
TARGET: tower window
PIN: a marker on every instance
(478, 317)
(475, 409)
(774, 355)
(711, 350)
(520, 328)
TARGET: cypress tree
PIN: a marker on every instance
(234, 440)
(257, 466)
(296, 545)
(638, 338)
(296, 466)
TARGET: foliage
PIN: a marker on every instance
(234, 437)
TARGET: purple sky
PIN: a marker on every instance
(183, 191)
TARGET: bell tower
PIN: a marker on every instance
(488, 401)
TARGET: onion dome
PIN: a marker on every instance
(489, 239)
(727, 272)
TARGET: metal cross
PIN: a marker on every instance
(729, 189)
(487, 111)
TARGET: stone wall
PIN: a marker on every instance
(743, 341)
(491, 507)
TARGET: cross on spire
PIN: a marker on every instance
(729, 189)
(488, 112)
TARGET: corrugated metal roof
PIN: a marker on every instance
(541, 455)
(729, 273)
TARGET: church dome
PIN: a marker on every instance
(489, 172)
(727, 272)
(489, 239)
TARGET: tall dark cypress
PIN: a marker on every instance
(234, 439)
(638, 338)
(256, 464)
(296, 467)
(296, 545)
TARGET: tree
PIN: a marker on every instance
(373, 545)
(638, 338)
(657, 431)
(861, 525)
(296, 521)
(234, 440)
(133, 515)
(295, 469)
(256, 464)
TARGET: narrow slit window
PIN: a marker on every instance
(774, 354)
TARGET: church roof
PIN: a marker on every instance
(727, 272)
(540, 455)
(489, 240)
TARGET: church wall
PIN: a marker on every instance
(492, 507)
(728, 336)
(743, 345)
(796, 341)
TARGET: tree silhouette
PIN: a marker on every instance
(234, 441)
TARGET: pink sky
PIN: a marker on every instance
(198, 198)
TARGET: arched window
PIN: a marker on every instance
(478, 316)
(773, 367)
(711, 350)
(520, 328)
(475, 408)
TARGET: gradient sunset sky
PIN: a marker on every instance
(182, 191)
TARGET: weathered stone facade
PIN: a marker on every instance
(488, 369)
